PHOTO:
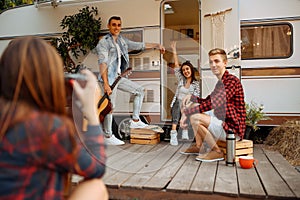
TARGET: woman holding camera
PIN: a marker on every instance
(39, 144)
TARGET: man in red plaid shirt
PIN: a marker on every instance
(221, 111)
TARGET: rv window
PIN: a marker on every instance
(266, 41)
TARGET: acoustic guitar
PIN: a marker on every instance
(104, 105)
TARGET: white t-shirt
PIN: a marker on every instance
(183, 92)
(119, 58)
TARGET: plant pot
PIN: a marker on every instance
(248, 132)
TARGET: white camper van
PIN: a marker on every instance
(261, 37)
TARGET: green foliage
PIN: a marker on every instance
(254, 114)
(81, 35)
(5, 4)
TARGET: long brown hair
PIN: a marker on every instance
(31, 78)
(190, 65)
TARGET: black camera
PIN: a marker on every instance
(80, 78)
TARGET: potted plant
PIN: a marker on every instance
(254, 114)
(81, 36)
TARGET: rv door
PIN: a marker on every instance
(197, 26)
(180, 22)
(220, 27)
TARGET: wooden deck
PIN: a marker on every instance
(160, 172)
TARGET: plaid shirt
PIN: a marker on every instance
(227, 101)
(31, 169)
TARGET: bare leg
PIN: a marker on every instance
(93, 189)
(200, 123)
(174, 126)
(198, 139)
(204, 133)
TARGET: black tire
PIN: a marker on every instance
(120, 127)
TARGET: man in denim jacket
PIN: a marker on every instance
(113, 59)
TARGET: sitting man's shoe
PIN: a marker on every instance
(192, 150)
(138, 124)
(201, 156)
(112, 140)
(185, 135)
(211, 156)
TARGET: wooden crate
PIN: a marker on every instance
(242, 148)
(144, 136)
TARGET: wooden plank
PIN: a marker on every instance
(240, 151)
(110, 151)
(144, 136)
(274, 185)
(185, 176)
(244, 147)
(151, 168)
(249, 183)
(226, 180)
(117, 162)
(113, 149)
(286, 170)
(135, 170)
(139, 141)
(205, 178)
(138, 194)
(238, 145)
(137, 161)
(142, 131)
(167, 172)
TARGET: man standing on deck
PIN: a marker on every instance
(113, 59)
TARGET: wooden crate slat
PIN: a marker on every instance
(238, 145)
(141, 131)
(240, 151)
(142, 136)
(139, 141)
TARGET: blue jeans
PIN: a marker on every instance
(125, 85)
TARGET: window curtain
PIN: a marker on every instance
(271, 42)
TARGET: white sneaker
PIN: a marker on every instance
(112, 140)
(173, 140)
(185, 135)
(138, 124)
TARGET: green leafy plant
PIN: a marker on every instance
(254, 114)
(81, 35)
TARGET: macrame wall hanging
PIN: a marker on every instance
(218, 25)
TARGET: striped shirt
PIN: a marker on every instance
(194, 88)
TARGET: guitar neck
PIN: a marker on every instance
(119, 77)
(113, 85)
(105, 95)
(115, 82)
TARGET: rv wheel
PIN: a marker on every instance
(120, 127)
